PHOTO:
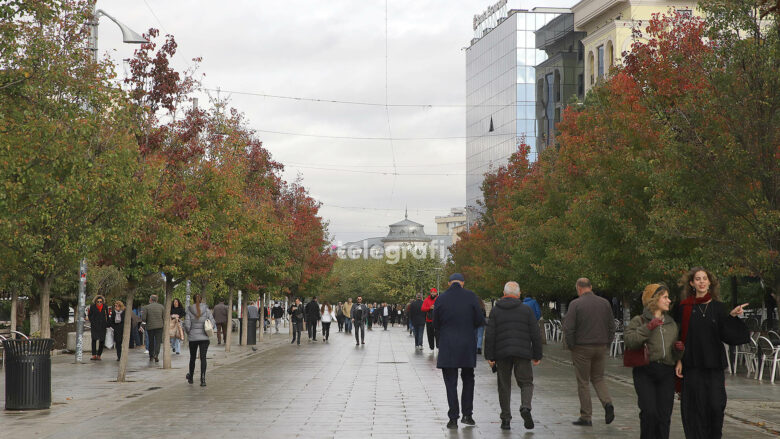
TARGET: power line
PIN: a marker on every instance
(324, 136)
(155, 16)
(342, 165)
(385, 209)
(394, 173)
(364, 103)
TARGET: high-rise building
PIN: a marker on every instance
(500, 89)
(559, 78)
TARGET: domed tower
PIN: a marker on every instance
(406, 233)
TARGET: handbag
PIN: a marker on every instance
(636, 357)
(208, 328)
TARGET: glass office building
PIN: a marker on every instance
(500, 90)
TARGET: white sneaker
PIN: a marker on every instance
(146, 352)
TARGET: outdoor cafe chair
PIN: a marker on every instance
(768, 352)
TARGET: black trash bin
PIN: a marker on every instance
(28, 373)
(251, 331)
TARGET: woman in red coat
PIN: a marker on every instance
(98, 322)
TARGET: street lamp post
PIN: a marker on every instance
(131, 37)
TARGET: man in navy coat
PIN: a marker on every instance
(456, 315)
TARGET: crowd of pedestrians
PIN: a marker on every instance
(672, 349)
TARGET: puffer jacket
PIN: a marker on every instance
(660, 341)
(193, 325)
(512, 331)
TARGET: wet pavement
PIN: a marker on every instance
(384, 388)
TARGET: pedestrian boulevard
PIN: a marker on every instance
(383, 389)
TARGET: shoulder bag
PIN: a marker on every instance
(637, 357)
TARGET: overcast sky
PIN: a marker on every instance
(335, 50)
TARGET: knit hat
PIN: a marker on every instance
(651, 291)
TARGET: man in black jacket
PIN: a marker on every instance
(312, 314)
(417, 319)
(296, 320)
(359, 314)
(513, 342)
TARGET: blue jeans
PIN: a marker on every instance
(418, 334)
(479, 332)
(348, 325)
(176, 345)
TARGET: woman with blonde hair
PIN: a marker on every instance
(705, 324)
(194, 325)
(116, 320)
(654, 382)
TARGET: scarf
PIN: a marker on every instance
(100, 307)
(687, 309)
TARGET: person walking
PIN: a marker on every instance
(116, 321)
(654, 382)
(340, 316)
(385, 311)
(347, 308)
(221, 313)
(296, 320)
(530, 301)
(427, 307)
(370, 317)
(278, 314)
(457, 315)
(152, 315)
(135, 326)
(176, 332)
(98, 323)
(589, 329)
(327, 315)
(512, 343)
(480, 331)
(770, 302)
(359, 314)
(194, 324)
(312, 314)
(705, 324)
(417, 319)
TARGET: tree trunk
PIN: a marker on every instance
(229, 330)
(120, 376)
(14, 301)
(44, 290)
(244, 321)
(262, 318)
(166, 345)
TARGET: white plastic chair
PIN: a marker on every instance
(748, 353)
(769, 353)
(617, 345)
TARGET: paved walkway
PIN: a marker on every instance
(321, 390)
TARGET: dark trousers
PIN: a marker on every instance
(155, 338)
(466, 396)
(703, 400)
(296, 330)
(340, 321)
(312, 328)
(222, 332)
(418, 334)
(360, 331)
(203, 345)
(370, 321)
(97, 344)
(118, 336)
(384, 322)
(326, 330)
(654, 385)
(524, 375)
(432, 335)
(589, 362)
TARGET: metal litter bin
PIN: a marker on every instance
(28, 374)
(251, 331)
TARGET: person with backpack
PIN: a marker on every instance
(195, 326)
(427, 307)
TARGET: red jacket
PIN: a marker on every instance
(427, 305)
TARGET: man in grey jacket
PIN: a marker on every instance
(152, 315)
(221, 318)
(589, 329)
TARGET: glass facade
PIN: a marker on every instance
(500, 85)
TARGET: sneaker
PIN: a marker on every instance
(505, 425)
(583, 423)
(609, 413)
(452, 424)
(526, 415)
(146, 351)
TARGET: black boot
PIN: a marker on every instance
(189, 378)
(203, 380)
